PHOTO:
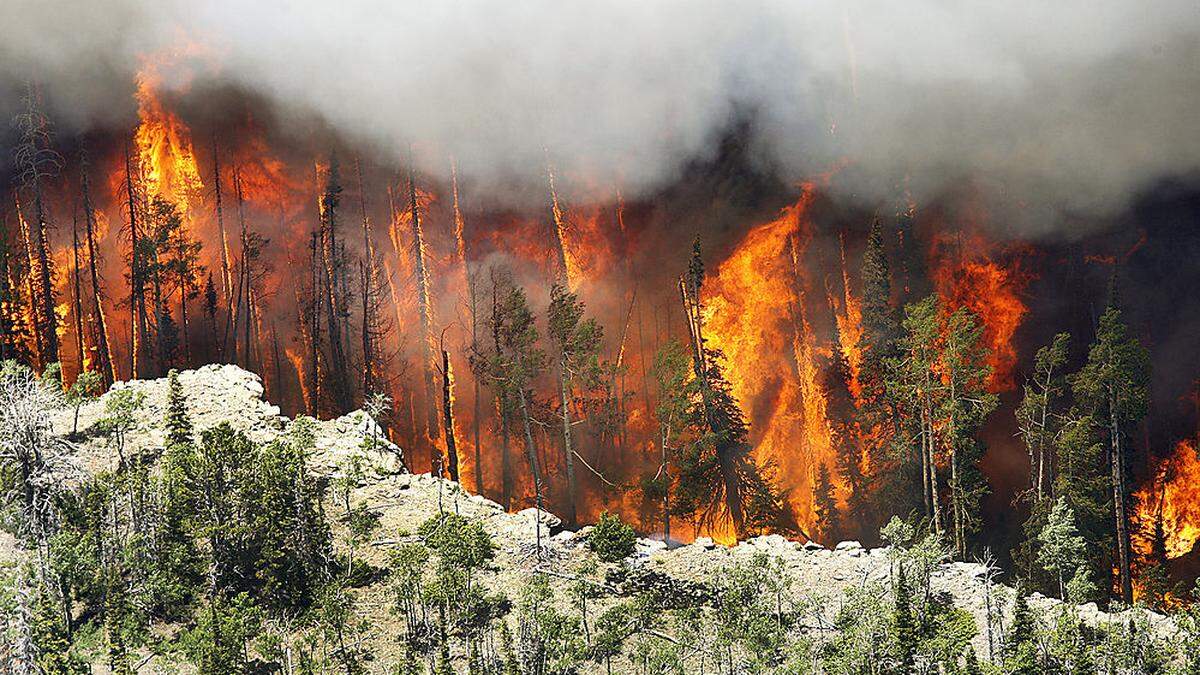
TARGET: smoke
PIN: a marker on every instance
(1052, 109)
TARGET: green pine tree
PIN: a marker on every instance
(1112, 387)
(825, 507)
(1020, 654)
(905, 639)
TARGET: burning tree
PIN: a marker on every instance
(717, 474)
(37, 162)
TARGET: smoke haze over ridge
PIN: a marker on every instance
(1062, 107)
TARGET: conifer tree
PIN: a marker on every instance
(878, 417)
(1061, 546)
(905, 624)
(825, 506)
(1020, 654)
(577, 341)
(37, 162)
(718, 471)
(1112, 388)
(1039, 413)
(179, 425)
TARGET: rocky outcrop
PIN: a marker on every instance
(226, 394)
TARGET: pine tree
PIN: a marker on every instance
(37, 162)
(825, 507)
(966, 405)
(1061, 546)
(878, 417)
(577, 341)
(848, 451)
(718, 471)
(104, 360)
(521, 360)
(1020, 657)
(179, 425)
(678, 423)
(905, 639)
(1112, 388)
(1039, 412)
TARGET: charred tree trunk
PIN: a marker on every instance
(99, 324)
(76, 295)
(473, 304)
(448, 416)
(562, 274)
(424, 308)
(1120, 512)
(502, 409)
(137, 282)
(226, 277)
(31, 296)
(335, 301)
(45, 274)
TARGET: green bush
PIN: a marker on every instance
(612, 540)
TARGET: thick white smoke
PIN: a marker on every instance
(1061, 106)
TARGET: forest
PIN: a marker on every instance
(813, 367)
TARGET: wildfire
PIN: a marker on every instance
(164, 150)
(849, 323)
(1175, 493)
(969, 270)
(756, 315)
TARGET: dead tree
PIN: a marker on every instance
(77, 295)
(448, 416)
(562, 273)
(103, 359)
(473, 305)
(333, 296)
(36, 163)
(137, 274)
(31, 295)
(424, 307)
(226, 277)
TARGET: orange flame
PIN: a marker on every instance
(969, 270)
(1176, 490)
(755, 313)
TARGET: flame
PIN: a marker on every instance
(849, 322)
(164, 149)
(1176, 490)
(755, 314)
(969, 270)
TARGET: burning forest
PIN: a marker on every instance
(745, 346)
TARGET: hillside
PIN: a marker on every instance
(657, 606)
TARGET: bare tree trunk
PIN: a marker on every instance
(568, 451)
(226, 277)
(100, 327)
(76, 295)
(137, 283)
(473, 302)
(562, 274)
(531, 451)
(45, 274)
(448, 416)
(1124, 562)
(424, 308)
(31, 296)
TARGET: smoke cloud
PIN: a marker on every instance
(1056, 108)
